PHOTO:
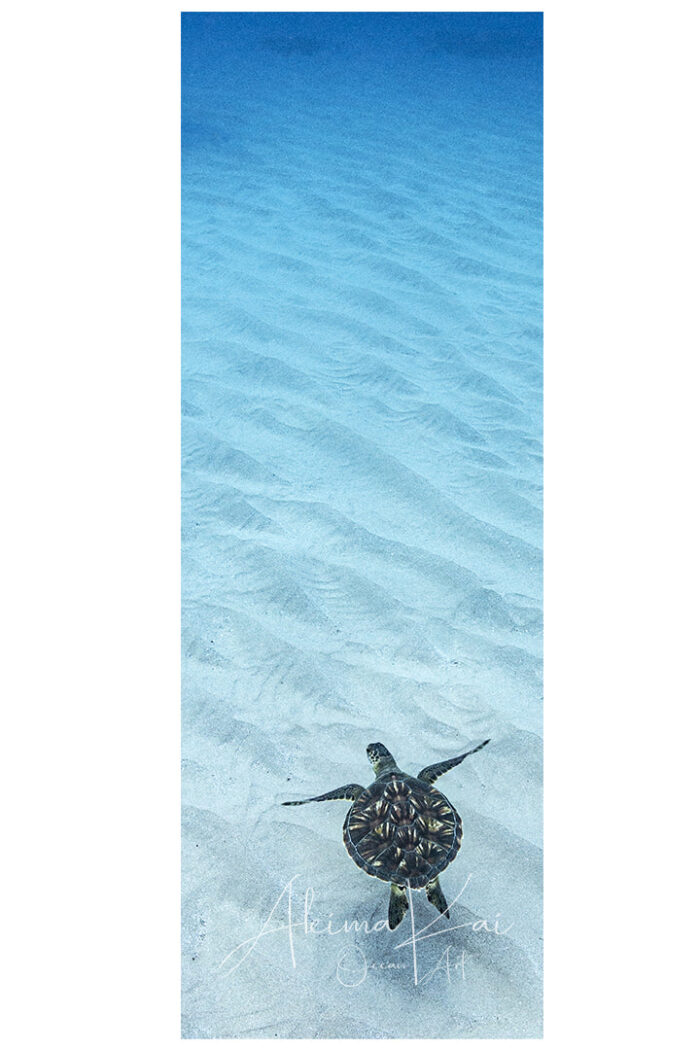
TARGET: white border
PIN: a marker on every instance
(91, 373)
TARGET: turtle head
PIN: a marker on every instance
(381, 758)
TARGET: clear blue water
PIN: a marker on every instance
(362, 298)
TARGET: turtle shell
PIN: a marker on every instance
(402, 830)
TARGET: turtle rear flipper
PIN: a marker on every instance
(347, 791)
(398, 905)
(437, 897)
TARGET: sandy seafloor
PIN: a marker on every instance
(361, 510)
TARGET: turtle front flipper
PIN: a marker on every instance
(431, 773)
(437, 897)
(348, 791)
(398, 905)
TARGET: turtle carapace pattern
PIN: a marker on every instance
(401, 829)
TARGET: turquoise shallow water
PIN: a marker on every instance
(361, 506)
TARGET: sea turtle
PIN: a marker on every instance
(400, 828)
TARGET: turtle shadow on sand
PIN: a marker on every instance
(401, 829)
